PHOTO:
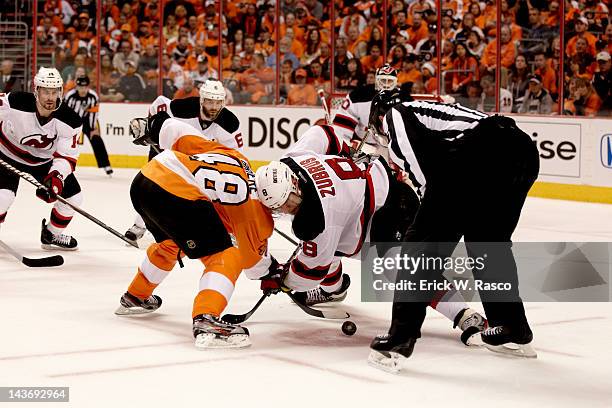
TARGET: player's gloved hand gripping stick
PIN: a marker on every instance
(51, 193)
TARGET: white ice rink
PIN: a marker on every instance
(58, 328)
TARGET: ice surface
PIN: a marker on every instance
(58, 328)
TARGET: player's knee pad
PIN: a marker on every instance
(76, 199)
(227, 262)
(6, 200)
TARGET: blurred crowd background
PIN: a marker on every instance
(553, 56)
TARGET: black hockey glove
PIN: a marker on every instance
(272, 283)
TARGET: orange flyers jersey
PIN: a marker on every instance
(224, 177)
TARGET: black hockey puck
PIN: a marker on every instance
(349, 328)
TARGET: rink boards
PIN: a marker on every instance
(576, 153)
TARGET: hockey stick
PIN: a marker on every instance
(47, 261)
(237, 319)
(287, 237)
(324, 314)
(30, 179)
(321, 94)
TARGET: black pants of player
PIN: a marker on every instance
(478, 194)
(10, 181)
(99, 149)
(195, 226)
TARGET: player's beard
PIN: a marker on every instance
(208, 115)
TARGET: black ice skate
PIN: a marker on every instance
(109, 171)
(471, 324)
(52, 241)
(318, 295)
(131, 305)
(135, 233)
(388, 353)
(211, 332)
(502, 339)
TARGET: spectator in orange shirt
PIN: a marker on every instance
(126, 35)
(396, 56)
(188, 90)
(373, 60)
(352, 40)
(465, 67)
(551, 16)
(409, 72)
(203, 72)
(302, 93)
(430, 80)
(130, 18)
(84, 31)
(418, 30)
(258, 80)
(581, 25)
(291, 22)
(508, 52)
(549, 76)
(145, 36)
(588, 102)
(246, 56)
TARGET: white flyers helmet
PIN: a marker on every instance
(386, 78)
(274, 183)
(212, 98)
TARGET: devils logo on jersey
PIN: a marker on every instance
(38, 141)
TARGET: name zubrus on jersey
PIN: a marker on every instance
(279, 132)
(324, 183)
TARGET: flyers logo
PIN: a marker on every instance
(38, 141)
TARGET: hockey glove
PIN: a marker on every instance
(53, 185)
(272, 283)
(150, 135)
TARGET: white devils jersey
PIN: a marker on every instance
(339, 199)
(24, 139)
(322, 139)
(225, 129)
(354, 113)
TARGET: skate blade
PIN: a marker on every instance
(130, 311)
(474, 340)
(208, 341)
(50, 247)
(513, 349)
(391, 364)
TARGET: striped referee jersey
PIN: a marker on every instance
(416, 129)
(86, 107)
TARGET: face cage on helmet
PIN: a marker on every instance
(60, 99)
(390, 82)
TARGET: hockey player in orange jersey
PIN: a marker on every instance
(198, 199)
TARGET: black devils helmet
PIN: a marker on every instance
(381, 103)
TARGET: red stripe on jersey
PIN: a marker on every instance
(333, 277)
(2, 217)
(22, 154)
(345, 122)
(305, 272)
(58, 220)
(333, 144)
(70, 160)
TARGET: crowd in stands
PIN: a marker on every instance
(235, 41)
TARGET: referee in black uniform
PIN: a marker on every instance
(84, 102)
(472, 173)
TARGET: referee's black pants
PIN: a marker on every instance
(477, 193)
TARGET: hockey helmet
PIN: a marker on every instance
(275, 182)
(386, 78)
(49, 78)
(212, 98)
(381, 104)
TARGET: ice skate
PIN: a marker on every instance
(501, 339)
(389, 354)
(52, 241)
(211, 332)
(318, 295)
(109, 171)
(135, 233)
(131, 305)
(471, 324)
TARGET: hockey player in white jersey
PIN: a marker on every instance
(208, 114)
(38, 135)
(334, 140)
